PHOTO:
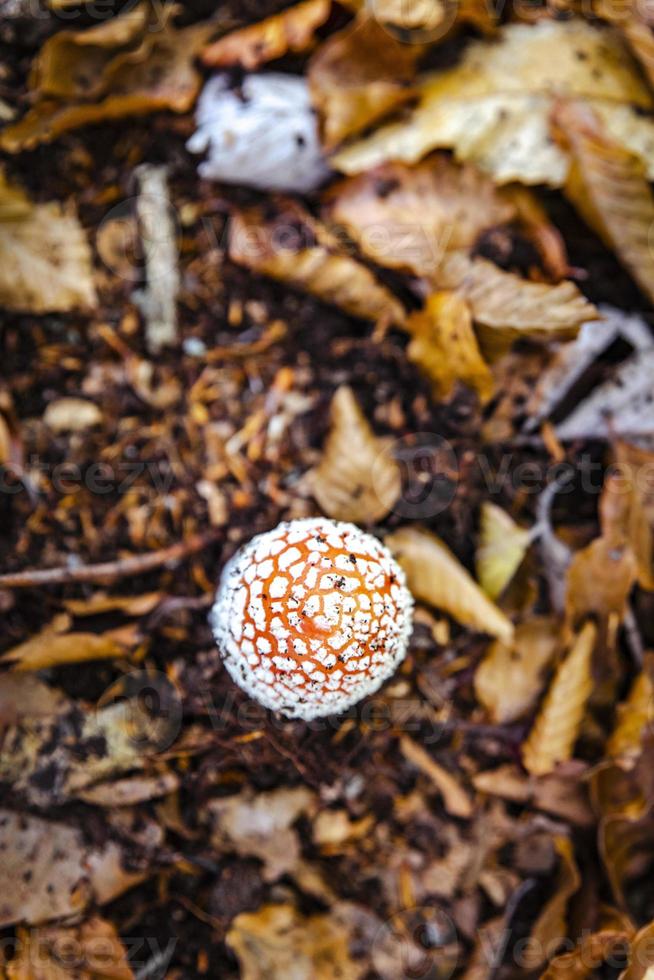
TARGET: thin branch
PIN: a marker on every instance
(110, 570)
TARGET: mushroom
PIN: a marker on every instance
(312, 616)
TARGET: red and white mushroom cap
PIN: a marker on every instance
(312, 616)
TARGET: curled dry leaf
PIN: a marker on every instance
(92, 949)
(359, 75)
(455, 799)
(551, 926)
(409, 217)
(589, 956)
(357, 478)
(511, 676)
(294, 248)
(445, 348)
(556, 728)
(599, 581)
(505, 306)
(159, 73)
(291, 31)
(277, 942)
(493, 108)
(129, 792)
(72, 415)
(502, 546)
(641, 955)
(45, 259)
(609, 186)
(634, 718)
(50, 872)
(435, 576)
(261, 825)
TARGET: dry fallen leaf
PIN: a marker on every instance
(562, 794)
(550, 927)
(635, 481)
(357, 76)
(55, 645)
(72, 415)
(89, 951)
(158, 74)
(409, 217)
(555, 731)
(357, 478)
(455, 799)
(608, 184)
(634, 718)
(599, 581)
(260, 825)
(493, 107)
(510, 678)
(445, 348)
(505, 306)
(278, 943)
(502, 546)
(641, 955)
(294, 248)
(50, 872)
(45, 259)
(292, 30)
(435, 576)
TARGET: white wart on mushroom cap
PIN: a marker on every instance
(312, 616)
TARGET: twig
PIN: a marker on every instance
(158, 301)
(109, 570)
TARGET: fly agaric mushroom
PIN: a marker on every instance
(312, 616)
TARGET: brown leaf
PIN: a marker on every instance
(261, 825)
(92, 950)
(409, 217)
(356, 479)
(641, 955)
(358, 76)
(158, 74)
(435, 576)
(636, 475)
(511, 676)
(293, 30)
(128, 792)
(609, 186)
(550, 928)
(52, 647)
(556, 728)
(49, 871)
(25, 695)
(506, 307)
(445, 347)
(296, 249)
(599, 581)
(45, 259)
(455, 799)
(562, 794)
(502, 546)
(277, 942)
(588, 956)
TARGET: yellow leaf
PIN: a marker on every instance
(455, 799)
(51, 648)
(436, 576)
(293, 30)
(506, 307)
(510, 678)
(502, 546)
(636, 472)
(556, 728)
(444, 346)
(634, 718)
(294, 248)
(409, 217)
(357, 76)
(641, 955)
(45, 259)
(599, 581)
(609, 187)
(356, 479)
(277, 942)
(493, 108)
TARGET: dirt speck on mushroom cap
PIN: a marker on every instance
(312, 616)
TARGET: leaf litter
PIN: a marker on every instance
(418, 337)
